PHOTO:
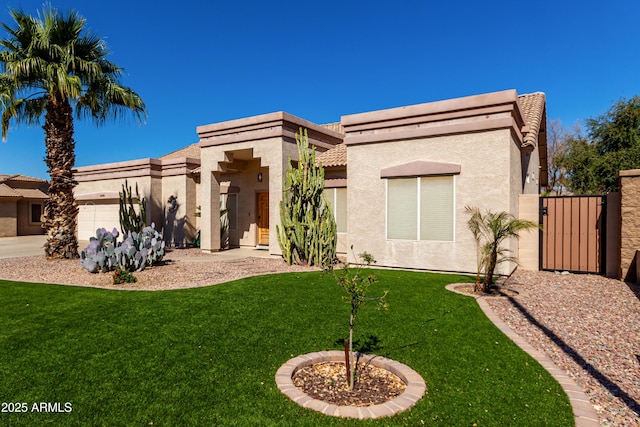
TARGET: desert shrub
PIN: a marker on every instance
(123, 276)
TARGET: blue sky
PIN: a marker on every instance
(197, 62)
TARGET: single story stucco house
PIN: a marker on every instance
(21, 205)
(398, 179)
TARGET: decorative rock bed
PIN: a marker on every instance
(414, 391)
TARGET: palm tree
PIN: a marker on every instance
(489, 231)
(52, 66)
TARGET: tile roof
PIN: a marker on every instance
(8, 192)
(192, 151)
(18, 177)
(336, 156)
(337, 127)
(21, 193)
(31, 193)
(533, 109)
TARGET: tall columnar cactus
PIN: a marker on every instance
(308, 229)
(130, 220)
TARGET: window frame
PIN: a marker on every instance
(333, 200)
(418, 208)
(31, 205)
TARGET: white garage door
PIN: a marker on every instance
(98, 214)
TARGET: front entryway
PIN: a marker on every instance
(263, 218)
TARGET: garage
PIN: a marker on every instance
(97, 211)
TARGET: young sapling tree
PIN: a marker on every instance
(355, 282)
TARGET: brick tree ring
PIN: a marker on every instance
(414, 391)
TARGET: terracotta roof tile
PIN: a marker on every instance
(8, 192)
(17, 177)
(192, 151)
(31, 193)
(336, 156)
(533, 109)
(337, 127)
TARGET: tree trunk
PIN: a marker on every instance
(488, 278)
(352, 366)
(61, 209)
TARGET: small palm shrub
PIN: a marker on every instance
(489, 230)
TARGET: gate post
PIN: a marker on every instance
(528, 244)
(629, 222)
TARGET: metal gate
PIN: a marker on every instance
(573, 233)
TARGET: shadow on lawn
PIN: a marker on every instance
(366, 345)
(613, 388)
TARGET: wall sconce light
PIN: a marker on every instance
(259, 176)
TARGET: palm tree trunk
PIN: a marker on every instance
(61, 209)
(493, 261)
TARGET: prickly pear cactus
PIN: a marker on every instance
(100, 255)
(150, 242)
(136, 252)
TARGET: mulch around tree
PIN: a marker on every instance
(328, 382)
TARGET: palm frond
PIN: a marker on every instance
(55, 53)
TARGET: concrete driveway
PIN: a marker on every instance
(13, 247)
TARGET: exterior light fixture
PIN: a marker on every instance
(259, 176)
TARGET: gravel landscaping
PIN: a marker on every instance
(588, 325)
(182, 268)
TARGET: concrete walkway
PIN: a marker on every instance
(21, 246)
(14, 247)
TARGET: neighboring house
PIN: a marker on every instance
(21, 205)
(397, 179)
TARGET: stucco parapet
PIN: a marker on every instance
(179, 166)
(128, 169)
(278, 124)
(498, 110)
(430, 108)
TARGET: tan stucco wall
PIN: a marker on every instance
(629, 223)
(25, 226)
(529, 242)
(179, 225)
(8, 218)
(484, 182)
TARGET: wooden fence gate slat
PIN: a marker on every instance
(573, 233)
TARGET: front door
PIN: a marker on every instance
(263, 218)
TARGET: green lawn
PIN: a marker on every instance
(208, 356)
